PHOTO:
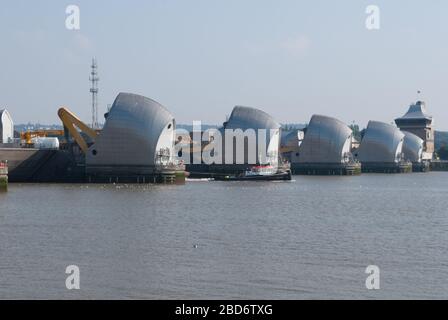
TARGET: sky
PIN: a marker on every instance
(200, 58)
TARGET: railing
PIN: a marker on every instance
(170, 167)
(164, 162)
(348, 158)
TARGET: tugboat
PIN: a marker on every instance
(258, 173)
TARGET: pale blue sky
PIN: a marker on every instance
(199, 58)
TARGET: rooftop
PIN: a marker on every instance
(417, 111)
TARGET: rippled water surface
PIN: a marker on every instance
(306, 239)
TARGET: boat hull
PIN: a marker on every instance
(285, 176)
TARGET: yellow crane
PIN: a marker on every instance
(72, 123)
(28, 136)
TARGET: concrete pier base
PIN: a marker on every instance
(135, 174)
(48, 166)
(421, 166)
(163, 178)
(385, 167)
(326, 169)
(439, 165)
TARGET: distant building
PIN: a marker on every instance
(6, 127)
(420, 123)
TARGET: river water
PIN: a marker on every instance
(309, 238)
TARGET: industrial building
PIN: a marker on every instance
(326, 149)
(381, 149)
(136, 143)
(6, 127)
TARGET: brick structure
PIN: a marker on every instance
(420, 123)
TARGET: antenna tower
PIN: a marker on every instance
(94, 91)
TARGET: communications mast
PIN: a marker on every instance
(94, 90)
